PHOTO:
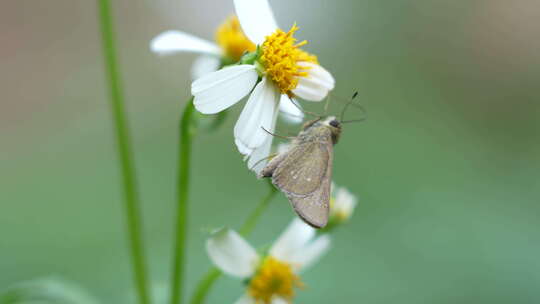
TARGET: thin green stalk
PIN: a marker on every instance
(131, 199)
(252, 219)
(208, 280)
(185, 140)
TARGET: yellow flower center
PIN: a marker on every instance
(231, 39)
(280, 57)
(274, 278)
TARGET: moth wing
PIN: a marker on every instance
(303, 170)
(305, 178)
(314, 209)
(272, 165)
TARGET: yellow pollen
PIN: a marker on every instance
(280, 57)
(274, 278)
(231, 39)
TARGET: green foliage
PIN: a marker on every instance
(50, 290)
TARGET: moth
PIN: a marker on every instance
(304, 172)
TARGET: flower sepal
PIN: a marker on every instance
(248, 58)
(226, 61)
(251, 57)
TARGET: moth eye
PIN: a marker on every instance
(334, 123)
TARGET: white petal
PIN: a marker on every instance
(219, 90)
(292, 240)
(258, 113)
(311, 252)
(232, 254)
(203, 65)
(245, 299)
(319, 75)
(290, 112)
(259, 157)
(316, 85)
(170, 42)
(256, 19)
(243, 149)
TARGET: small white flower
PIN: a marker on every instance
(342, 204)
(272, 278)
(284, 71)
(230, 45)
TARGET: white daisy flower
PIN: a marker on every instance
(342, 204)
(272, 279)
(278, 70)
(230, 44)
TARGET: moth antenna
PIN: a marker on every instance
(276, 135)
(354, 120)
(326, 105)
(304, 111)
(342, 100)
(347, 106)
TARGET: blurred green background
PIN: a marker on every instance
(446, 166)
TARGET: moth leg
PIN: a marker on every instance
(271, 166)
(271, 156)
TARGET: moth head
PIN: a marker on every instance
(330, 123)
(334, 126)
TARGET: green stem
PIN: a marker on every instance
(131, 199)
(252, 219)
(208, 280)
(186, 139)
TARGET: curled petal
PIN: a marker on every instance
(316, 85)
(256, 18)
(257, 116)
(219, 90)
(170, 42)
(243, 149)
(232, 254)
